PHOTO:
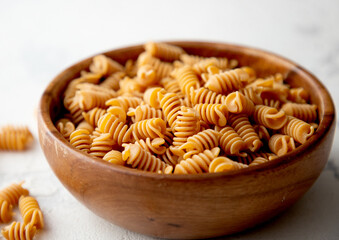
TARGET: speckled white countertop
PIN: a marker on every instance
(38, 39)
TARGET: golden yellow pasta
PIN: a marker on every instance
(5, 211)
(224, 164)
(173, 112)
(303, 111)
(19, 231)
(15, 138)
(198, 163)
(31, 212)
(13, 192)
(114, 157)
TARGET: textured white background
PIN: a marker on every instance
(38, 39)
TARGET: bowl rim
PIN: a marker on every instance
(322, 130)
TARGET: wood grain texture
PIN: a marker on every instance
(190, 206)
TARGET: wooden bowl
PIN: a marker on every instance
(190, 206)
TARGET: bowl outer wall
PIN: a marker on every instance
(190, 206)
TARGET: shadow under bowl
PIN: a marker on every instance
(190, 206)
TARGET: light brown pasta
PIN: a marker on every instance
(172, 85)
(151, 96)
(216, 114)
(139, 158)
(93, 116)
(170, 105)
(75, 110)
(230, 142)
(228, 81)
(19, 231)
(258, 160)
(281, 144)
(101, 145)
(204, 95)
(89, 99)
(236, 102)
(154, 146)
(298, 129)
(224, 164)
(65, 127)
(262, 132)
(198, 163)
(15, 138)
(187, 79)
(305, 112)
(144, 112)
(298, 95)
(146, 76)
(80, 139)
(241, 124)
(5, 211)
(105, 65)
(13, 192)
(269, 117)
(31, 212)
(112, 81)
(202, 66)
(253, 155)
(114, 157)
(149, 128)
(164, 51)
(252, 94)
(124, 102)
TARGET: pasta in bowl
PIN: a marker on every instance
(186, 107)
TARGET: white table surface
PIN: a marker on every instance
(38, 39)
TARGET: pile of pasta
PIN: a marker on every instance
(12, 196)
(13, 138)
(175, 113)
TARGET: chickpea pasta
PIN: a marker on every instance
(171, 112)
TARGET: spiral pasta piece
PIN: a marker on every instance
(112, 82)
(272, 103)
(202, 66)
(149, 128)
(144, 112)
(31, 212)
(101, 145)
(298, 95)
(154, 146)
(164, 51)
(253, 155)
(108, 123)
(227, 81)
(139, 158)
(236, 102)
(269, 117)
(262, 132)
(93, 116)
(241, 124)
(170, 105)
(114, 157)
(19, 231)
(162, 69)
(5, 211)
(187, 78)
(172, 85)
(15, 138)
(12, 193)
(65, 127)
(80, 139)
(146, 76)
(197, 143)
(105, 65)
(252, 94)
(231, 142)
(89, 99)
(258, 160)
(124, 102)
(85, 125)
(224, 164)
(281, 144)
(198, 163)
(221, 62)
(187, 125)
(75, 110)
(305, 112)
(203, 95)
(216, 114)
(299, 130)
(151, 96)
(170, 158)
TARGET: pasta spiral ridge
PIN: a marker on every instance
(187, 78)
(112, 82)
(105, 65)
(89, 99)
(227, 81)
(162, 69)
(305, 112)
(231, 142)
(15, 138)
(298, 95)
(114, 157)
(65, 127)
(253, 155)
(93, 116)
(258, 160)
(108, 123)
(75, 111)
(139, 158)
(149, 128)
(204, 95)
(197, 163)
(243, 127)
(164, 51)
(144, 112)
(169, 157)
(172, 85)
(80, 139)
(12, 193)
(31, 212)
(170, 104)
(154, 146)
(269, 117)
(5, 211)
(216, 114)
(101, 145)
(224, 164)
(124, 102)
(251, 93)
(236, 102)
(19, 231)
(298, 129)
(281, 144)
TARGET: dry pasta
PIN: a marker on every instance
(13, 192)
(15, 138)
(19, 231)
(5, 211)
(31, 212)
(168, 111)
